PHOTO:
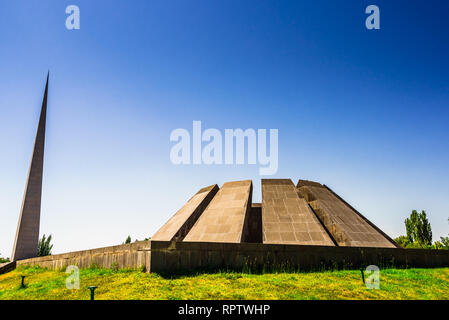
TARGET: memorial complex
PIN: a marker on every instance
(302, 226)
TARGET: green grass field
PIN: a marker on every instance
(130, 284)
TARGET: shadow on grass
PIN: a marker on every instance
(249, 268)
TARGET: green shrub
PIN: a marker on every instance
(44, 247)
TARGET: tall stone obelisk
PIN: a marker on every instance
(27, 234)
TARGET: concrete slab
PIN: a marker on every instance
(287, 218)
(343, 223)
(225, 219)
(177, 227)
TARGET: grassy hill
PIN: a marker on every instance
(130, 284)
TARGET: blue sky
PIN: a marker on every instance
(363, 111)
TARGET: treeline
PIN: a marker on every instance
(419, 233)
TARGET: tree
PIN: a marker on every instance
(4, 260)
(402, 241)
(128, 240)
(44, 247)
(445, 241)
(418, 229)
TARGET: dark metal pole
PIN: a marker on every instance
(92, 292)
(23, 282)
(363, 275)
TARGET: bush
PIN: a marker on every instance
(402, 241)
(44, 247)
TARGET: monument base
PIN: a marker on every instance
(183, 257)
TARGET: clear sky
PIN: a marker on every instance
(363, 111)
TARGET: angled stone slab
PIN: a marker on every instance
(226, 217)
(254, 225)
(347, 227)
(287, 218)
(177, 227)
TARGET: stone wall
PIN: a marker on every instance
(7, 266)
(133, 255)
(179, 257)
